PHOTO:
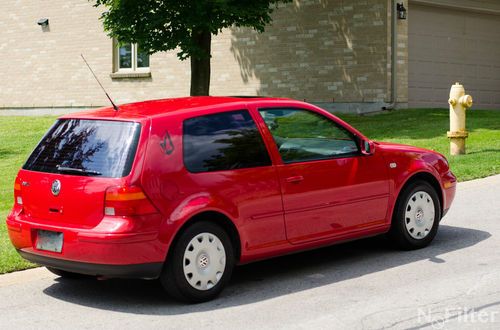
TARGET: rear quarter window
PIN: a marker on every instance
(86, 147)
(223, 141)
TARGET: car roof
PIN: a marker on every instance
(157, 107)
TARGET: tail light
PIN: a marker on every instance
(17, 194)
(127, 201)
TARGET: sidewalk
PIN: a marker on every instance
(24, 276)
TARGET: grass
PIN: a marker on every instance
(424, 128)
(18, 137)
(427, 128)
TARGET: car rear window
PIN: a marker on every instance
(86, 147)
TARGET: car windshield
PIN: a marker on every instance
(86, 147)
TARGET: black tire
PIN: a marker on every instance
(173, 278)
(400, 233)
(65, 274)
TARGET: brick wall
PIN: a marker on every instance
(43, 68)
(319, 50)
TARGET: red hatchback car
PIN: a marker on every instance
(184, 189)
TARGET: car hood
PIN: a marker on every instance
(403, 147)
(411, 153)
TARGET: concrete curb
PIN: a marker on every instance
(478, 183)
(24, 276)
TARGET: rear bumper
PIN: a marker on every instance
(145, 271)
(110, 249)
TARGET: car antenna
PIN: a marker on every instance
(109, 98)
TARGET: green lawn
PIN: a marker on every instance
(18, 136)
(423, 128)
(427, 128)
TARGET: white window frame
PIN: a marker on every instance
(134, 68)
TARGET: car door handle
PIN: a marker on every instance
(294, 179)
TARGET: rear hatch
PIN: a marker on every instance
(65, 178)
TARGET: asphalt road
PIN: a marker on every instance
(454, 283)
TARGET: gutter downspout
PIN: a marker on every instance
(394, 58)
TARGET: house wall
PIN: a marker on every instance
(318, 50)
(43, 67)
(402, 58)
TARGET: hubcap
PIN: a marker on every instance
(419, 215)
(204, 261)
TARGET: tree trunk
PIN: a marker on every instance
(200, 66)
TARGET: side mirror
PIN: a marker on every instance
(367, 147)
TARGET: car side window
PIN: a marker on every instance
(303, 135)
(223, 141)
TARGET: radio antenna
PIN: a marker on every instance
(109, 98)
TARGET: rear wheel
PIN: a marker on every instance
(416, 216)
(200, 264)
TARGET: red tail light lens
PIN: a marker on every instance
(127, 201)
(17, 194)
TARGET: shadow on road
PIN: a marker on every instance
(267, 279)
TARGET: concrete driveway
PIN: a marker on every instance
(360, 285)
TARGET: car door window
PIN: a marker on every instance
(303, 135)
(223, 141)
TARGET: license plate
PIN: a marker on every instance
(49, 241)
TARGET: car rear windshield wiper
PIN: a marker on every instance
(76, 170)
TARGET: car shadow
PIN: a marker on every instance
(483, 151)
(266, 279)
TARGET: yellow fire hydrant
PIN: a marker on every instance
(459, 102)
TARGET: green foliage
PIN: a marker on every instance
(162, 25)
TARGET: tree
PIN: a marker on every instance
(162, 25)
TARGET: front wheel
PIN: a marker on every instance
(416, 216)
(200, 264)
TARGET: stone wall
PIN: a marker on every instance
(318, 50)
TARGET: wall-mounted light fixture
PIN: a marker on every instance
(43, 22)
(400, 7)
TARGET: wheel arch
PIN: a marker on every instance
(217, 218)
(426, 177)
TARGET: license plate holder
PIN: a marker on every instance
(49, 241)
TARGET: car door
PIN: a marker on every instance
(329, 188)
(216, 160)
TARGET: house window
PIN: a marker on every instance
(129, 58)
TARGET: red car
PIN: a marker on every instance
(184, 189)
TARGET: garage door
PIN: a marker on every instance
(448, 45)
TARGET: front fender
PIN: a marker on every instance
(404, 165)
(402, 178)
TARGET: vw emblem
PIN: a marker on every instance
(56, 187)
